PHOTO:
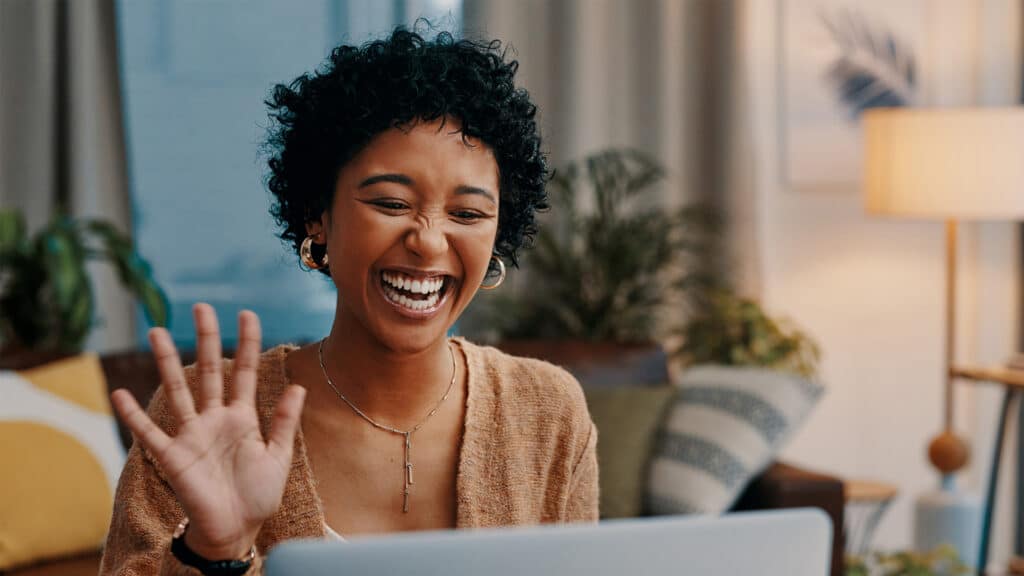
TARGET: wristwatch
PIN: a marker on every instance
(186, 556)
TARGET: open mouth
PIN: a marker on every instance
(415, 294)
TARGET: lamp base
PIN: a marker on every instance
(948, 453)
(948, 516)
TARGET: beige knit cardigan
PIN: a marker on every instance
(528, 456)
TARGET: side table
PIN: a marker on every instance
(866, 503)
(1013, 386)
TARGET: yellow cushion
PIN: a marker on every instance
(61, 458)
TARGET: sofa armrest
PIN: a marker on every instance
(786, 486)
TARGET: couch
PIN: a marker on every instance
(781, 486)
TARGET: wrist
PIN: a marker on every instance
(221, 560)
(232, 551)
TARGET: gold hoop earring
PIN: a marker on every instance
(501, 275)
(306, 254)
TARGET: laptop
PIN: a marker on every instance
(795, 542)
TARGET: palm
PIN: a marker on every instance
(226, 476)
(220, 468)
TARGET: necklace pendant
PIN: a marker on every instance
(408, 471)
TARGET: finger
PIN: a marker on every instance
(135, 418)
(172, 376)
(285, 423)
(209, 360)
(247, 358)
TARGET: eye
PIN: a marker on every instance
(390, 205)
(468, 215)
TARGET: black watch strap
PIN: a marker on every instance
(186, 556)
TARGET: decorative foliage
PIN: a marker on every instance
(609, 260)
(874, 68)
(942, 561)
(733, 331)
(46, 296)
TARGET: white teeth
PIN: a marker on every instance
(416, 305)
(412, 285)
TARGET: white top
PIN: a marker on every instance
(332, 535)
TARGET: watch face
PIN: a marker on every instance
(180, 530)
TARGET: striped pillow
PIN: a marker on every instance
(724, 428)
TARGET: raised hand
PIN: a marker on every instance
(227, 477)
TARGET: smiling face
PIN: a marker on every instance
(410, 233)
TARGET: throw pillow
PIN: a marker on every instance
(725, 426)
(61, 461)
(627, 420)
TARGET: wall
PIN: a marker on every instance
(872, 290)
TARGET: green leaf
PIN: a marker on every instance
(68, 294)
(62, 258)
(12, 233)
(752, 337)
(134, 272)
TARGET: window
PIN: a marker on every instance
(194, 76)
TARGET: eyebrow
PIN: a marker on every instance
(394, 178)
(406, 181)
(461, 190)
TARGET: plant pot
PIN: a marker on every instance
(598, 364)
(18, 358)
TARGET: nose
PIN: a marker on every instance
(426, 239)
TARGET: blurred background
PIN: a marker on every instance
(149, 114)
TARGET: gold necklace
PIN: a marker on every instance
(407, 467)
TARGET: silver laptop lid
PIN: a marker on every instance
(778, 543)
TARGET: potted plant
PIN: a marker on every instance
(46, 296)
(608, 263)
(730, 330)
(942, 561)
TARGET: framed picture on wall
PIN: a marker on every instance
(838, 58)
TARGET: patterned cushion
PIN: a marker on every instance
(61, 459)
(725, 427)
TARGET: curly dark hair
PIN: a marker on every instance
(322, 120)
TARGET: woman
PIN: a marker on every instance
(407, 170)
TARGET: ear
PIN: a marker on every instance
(317, 227)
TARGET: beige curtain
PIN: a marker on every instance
(61, 135)
(657, 75)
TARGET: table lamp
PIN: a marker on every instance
(949, 164)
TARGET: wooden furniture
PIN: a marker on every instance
(786, 486)
(1013, 386)
(866, 503)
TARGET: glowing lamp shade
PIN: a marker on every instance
(945, 163)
